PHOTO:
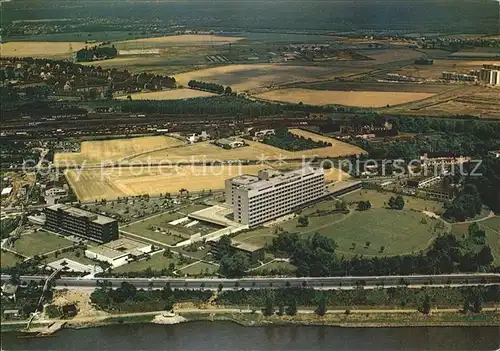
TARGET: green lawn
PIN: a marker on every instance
(72, 256)
(379, 199)
(281, 266)
(491, 227)
(200, 268)
(192, 208)
(39, 243)
(8, 259)
(157, 262)
(142, 228)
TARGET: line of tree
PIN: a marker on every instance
(127, 298)
(316, 257)
(285, 140)
(402, 297)
(212, 87)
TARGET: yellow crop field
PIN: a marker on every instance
(110, 183)
(255, 151)
(244, 77)
(40, 49)
(188, 39)
(98, 151)
(175, 94)
(347, 98)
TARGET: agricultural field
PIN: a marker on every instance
(347, 98)
(434, 71)
(92, 152)
(245, 77)
(38, 243)
(41, 49)
(111, 183)
(492, 228)
(175, 94)
(362, 232)
(157, 262)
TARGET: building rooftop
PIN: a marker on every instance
(124, 245)
(246, 246)
(269, 178)
(107, 252)
(78, 212)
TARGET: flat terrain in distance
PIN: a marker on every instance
(41, 49)
(492, 228)
(174, 40)
(95, 151)
(244, 77)
(175, 94)
(399, 232)
(38, 243)
(347, 98)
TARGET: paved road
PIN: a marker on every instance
(270, 283)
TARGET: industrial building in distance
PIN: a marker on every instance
(272, 194)
(68, 220)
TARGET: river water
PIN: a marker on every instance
(229, 336)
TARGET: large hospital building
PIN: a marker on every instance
(271, 194)
(68, 220)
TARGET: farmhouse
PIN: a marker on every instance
(229, 143)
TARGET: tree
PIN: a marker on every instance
(426, 305)
(303, 221)
(321, 310)
(396, 203)
(477, 304)
(228, 90)
(364, 205)
(220, 287)
(223, 247)
(268, 309)
(281, 308)
(169, 304)
(234, 266)
(291, 310)
(484, 257)
(341, 205)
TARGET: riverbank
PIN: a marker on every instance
(334, 318)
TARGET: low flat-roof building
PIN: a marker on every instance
(6, 192)
(423, 182)
(253, 252)
(119, 252)
(68, 220)
(229, 143)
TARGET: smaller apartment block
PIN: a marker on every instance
(272, 194)
(68, 220)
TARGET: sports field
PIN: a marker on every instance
(39, 242)
(347, 98)
(98, 151)
(40, 49)
(175, 94)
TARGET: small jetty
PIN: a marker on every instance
(44, 332)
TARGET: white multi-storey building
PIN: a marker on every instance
(271, 194)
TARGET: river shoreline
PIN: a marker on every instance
(249, 319)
